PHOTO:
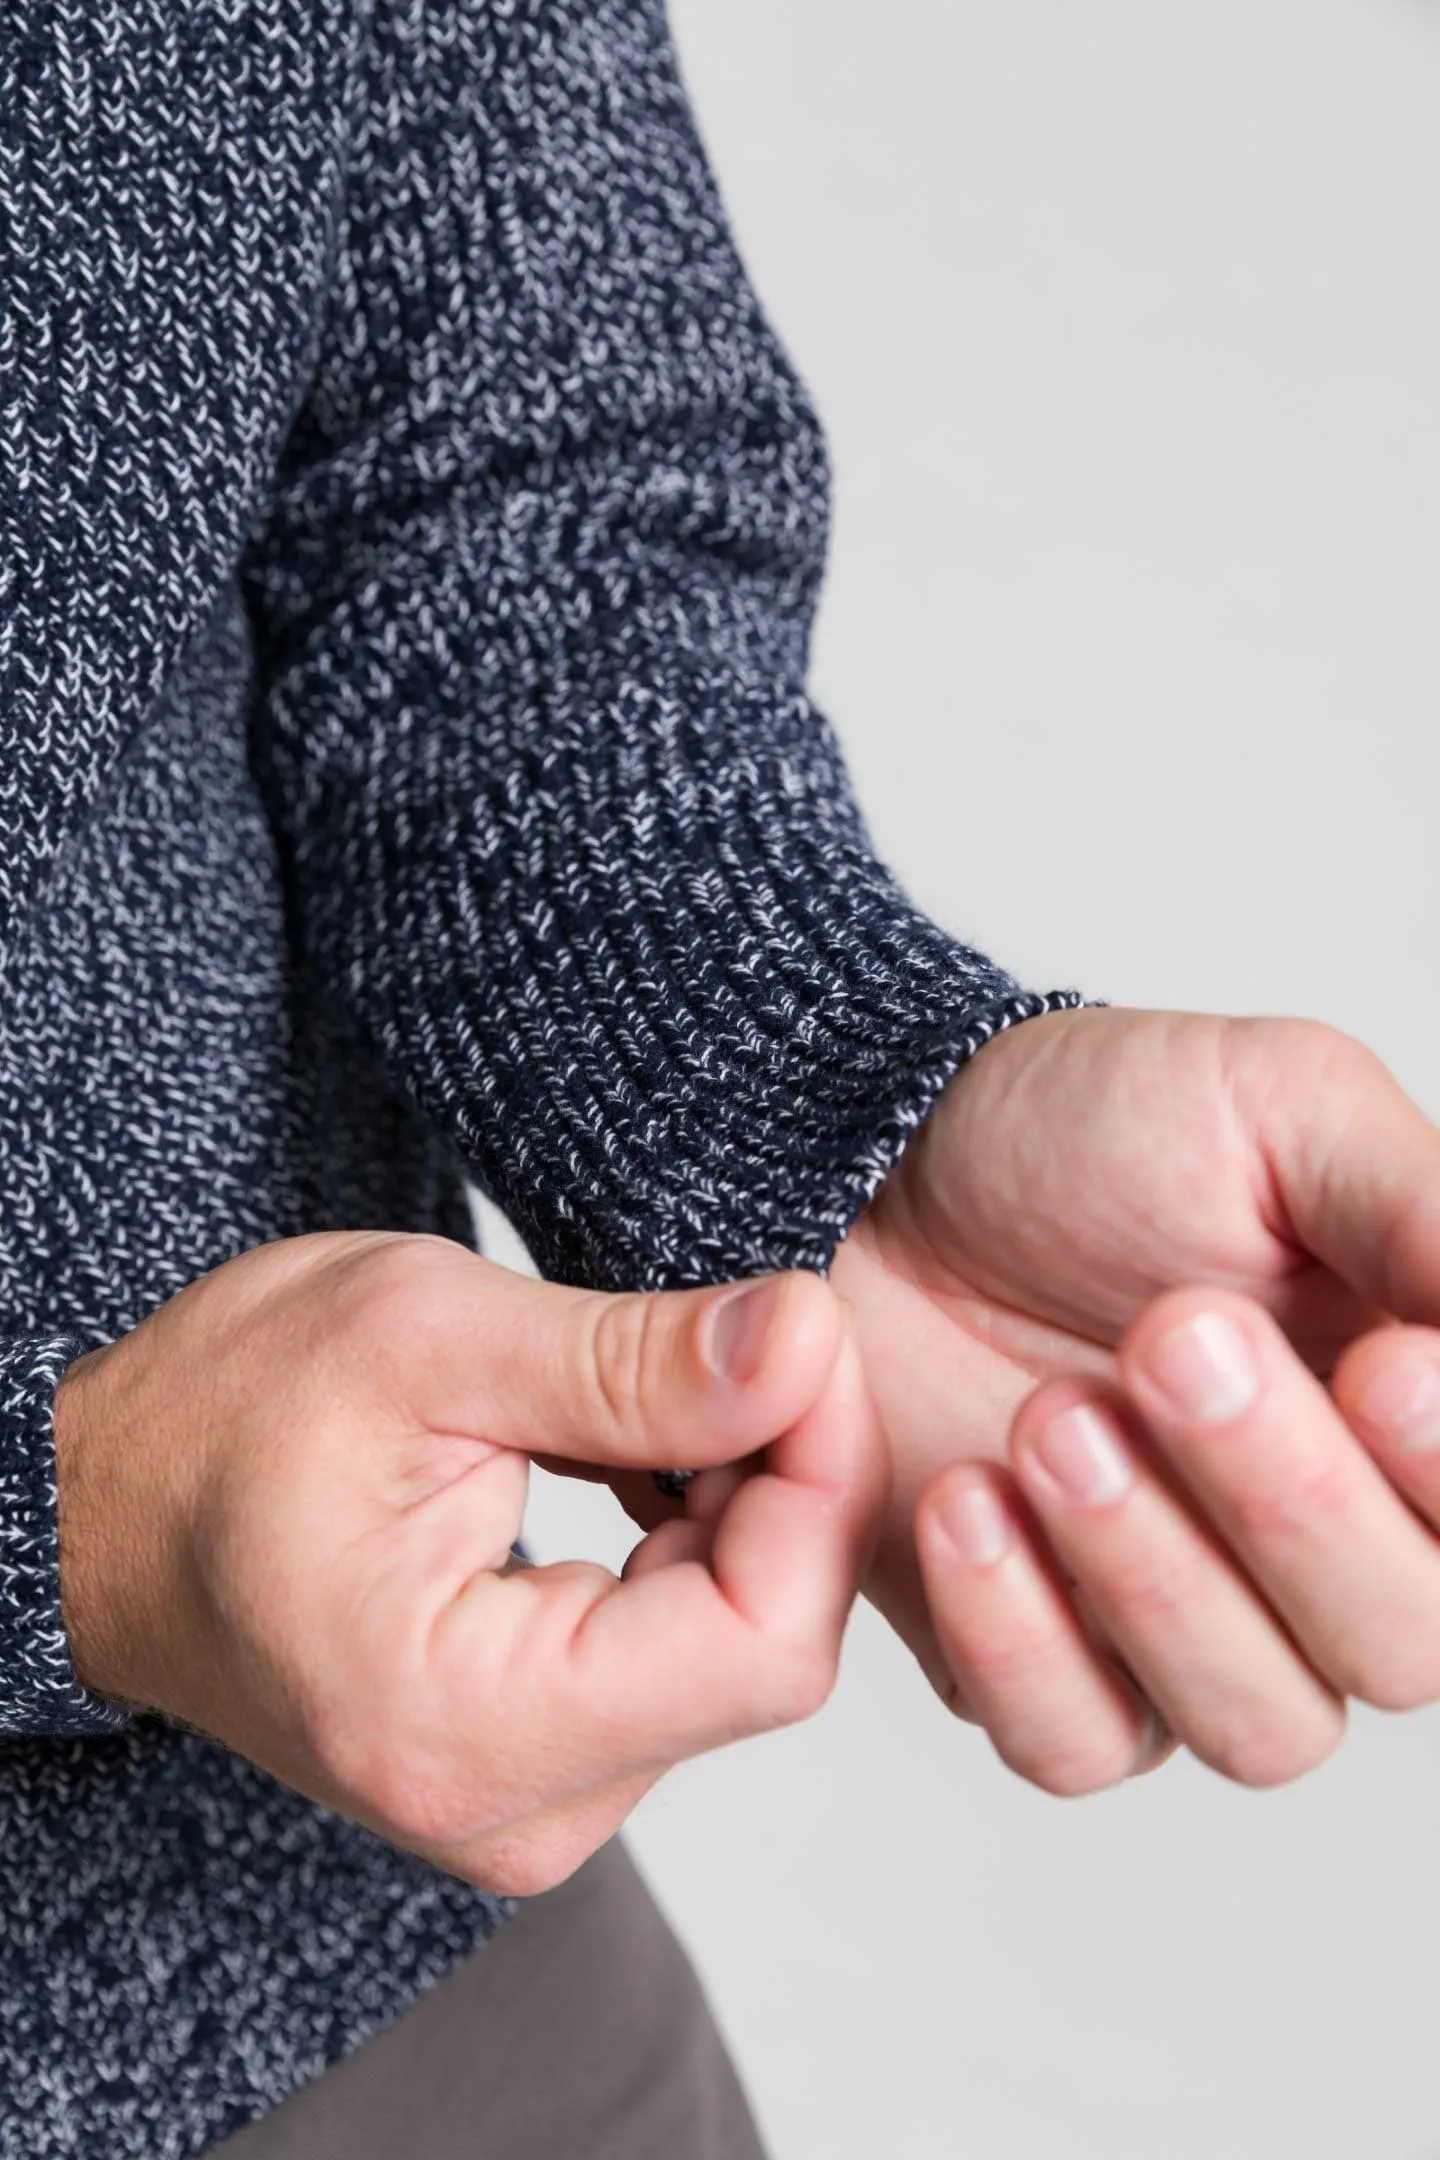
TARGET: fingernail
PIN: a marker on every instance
(1207, 1369)
(1405, 1404)
(1085, 1456)
(975, 1522)
(740, 1328)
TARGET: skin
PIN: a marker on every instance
(1090, 1184)
(288, 1498)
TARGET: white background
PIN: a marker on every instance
(1125, 322)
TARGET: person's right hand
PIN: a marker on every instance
(288, 1499)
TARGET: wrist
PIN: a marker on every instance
(97, 1548)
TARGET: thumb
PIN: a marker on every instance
(1356, 1165)
(635, 1380)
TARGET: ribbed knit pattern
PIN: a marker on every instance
(409, 534)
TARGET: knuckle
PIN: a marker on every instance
(387, 1293)
(1151, 1595)
(1262, 1751)
(1008, 1660)
(1394, 1690)
(1071, 1769)
(1386, 1672)
(1289, 1509)
(1313, 1043)
(799, 1684)
(621, 1357)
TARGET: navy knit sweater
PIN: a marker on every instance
(409, 532)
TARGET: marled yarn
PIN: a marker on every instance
(409, 533)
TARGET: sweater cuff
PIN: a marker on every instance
(39, 1691)
(637, 959)
(916, 1085)
(922, 1071)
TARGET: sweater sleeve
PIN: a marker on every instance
(563, 828)
(39, 1692)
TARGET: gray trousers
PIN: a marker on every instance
(579, 2033)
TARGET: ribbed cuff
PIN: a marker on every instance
(662, 996)
(916, 1091)
(39, 1692)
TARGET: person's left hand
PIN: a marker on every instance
(1101, 1192)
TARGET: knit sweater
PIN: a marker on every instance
(409, 534)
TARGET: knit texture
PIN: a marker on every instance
(409, 535)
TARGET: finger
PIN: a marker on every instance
(557, 1680)
(1355, 1162)
(668, 1545)
(1387, 1388)
(1056, 1711)
(631, 1381)
(1158, 1743)
(408, 1791)
(1258, 1442)
(828, 1477)
(1207, 1652)
(708, 1495)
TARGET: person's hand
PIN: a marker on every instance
(1131, 1208)
(288, 1500)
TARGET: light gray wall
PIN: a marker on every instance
(1124, 319)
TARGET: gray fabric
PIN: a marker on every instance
(580, 2033)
